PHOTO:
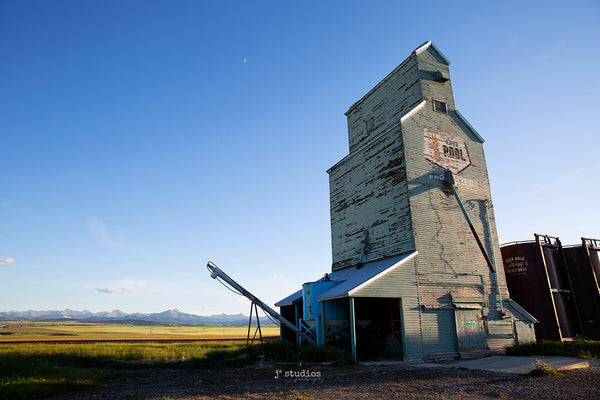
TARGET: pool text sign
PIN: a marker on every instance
(447, 151)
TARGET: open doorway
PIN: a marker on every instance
(378, 328)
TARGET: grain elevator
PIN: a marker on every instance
(417, 271)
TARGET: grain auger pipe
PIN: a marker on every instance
(449, 181)
(215, 272)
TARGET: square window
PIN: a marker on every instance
(440, 106)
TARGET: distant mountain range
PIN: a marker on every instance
(169, 316)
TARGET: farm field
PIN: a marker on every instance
(27, 331)
(31, 371)
(107, 371)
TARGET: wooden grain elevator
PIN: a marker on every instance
(417, 271)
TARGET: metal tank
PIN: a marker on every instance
(538, 280)
(583, 265)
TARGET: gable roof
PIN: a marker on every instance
(428, 45)
(412, 56)
(352, 279)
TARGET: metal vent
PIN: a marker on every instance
(441, 76)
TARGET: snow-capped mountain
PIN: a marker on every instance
(170, 316)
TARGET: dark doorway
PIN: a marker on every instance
(291, 314)
(378, 328)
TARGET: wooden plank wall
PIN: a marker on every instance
(369, 191)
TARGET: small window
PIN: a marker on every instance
(440, 106)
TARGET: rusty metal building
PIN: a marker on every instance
(408, 278)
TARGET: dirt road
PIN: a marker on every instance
(356, 382)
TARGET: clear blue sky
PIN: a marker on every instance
(141, 139)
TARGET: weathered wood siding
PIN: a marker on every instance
(393, 97)
(368, 190)
(449, 259)
(428, 63)
(392, 187)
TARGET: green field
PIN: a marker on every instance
(31, 369)
(34, 371)
(22, 331)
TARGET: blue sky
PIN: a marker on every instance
(143, 138)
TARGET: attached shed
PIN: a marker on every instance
(352, 307)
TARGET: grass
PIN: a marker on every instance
(33, 371)
(543, 369)
(39, 370)
(39, 384)
(583, 348)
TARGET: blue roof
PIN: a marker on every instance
(353, 279)
(290, 300)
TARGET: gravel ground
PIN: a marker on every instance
(355, 382)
